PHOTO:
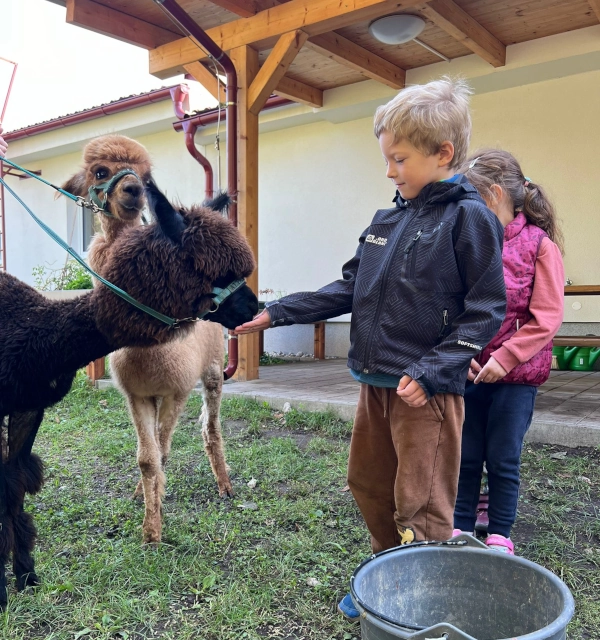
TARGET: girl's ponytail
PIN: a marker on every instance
(540, 211)
(493, 166)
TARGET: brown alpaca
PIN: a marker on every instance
(172, 267)
(156, 381)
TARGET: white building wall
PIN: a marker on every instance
(322, 176)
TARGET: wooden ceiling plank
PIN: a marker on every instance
(447, 15)
(595, 4)
(274, 68)
(336, 47)
(243, 8)
(299, 92)
(207, 79)
(100, 19)
(312, 16)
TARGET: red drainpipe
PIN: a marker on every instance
(190, 27)
(190, 131)
(190, 126)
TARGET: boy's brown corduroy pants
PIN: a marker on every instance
(404, 465)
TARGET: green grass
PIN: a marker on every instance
(271, 562)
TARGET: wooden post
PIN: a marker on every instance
(96, 370)
(245, 59)
(319, 340)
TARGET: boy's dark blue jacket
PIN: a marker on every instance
(425, 288)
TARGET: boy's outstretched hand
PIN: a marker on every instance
(411, 392)
(261, 322)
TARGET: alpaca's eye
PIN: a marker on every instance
(101, 174)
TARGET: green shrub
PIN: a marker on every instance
(71, 276)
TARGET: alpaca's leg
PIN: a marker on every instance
(6, 544)
(139, 490)
(30, 477)
(5, 532)
(144, 412)
(23, 474)
(23, 565)
(169, 413)
(212, 382)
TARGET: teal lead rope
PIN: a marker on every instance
(159, 316)
(220, 294)
(77, 199)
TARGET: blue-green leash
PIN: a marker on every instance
(220, 293)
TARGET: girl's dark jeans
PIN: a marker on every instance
(497, 417)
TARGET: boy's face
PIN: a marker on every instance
(409, 169)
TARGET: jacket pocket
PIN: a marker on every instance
(418, 252)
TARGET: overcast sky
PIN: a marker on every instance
(62, 68)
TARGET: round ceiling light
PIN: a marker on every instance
(396, 29)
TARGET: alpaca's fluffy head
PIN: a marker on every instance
(172, 266)
(103, 158)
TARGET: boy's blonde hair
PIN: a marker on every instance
(427, 115)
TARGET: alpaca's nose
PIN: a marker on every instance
(133, 189)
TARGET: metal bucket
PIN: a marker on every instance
(458, 590)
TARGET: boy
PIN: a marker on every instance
(426, 291)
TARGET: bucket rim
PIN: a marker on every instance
(559, 623)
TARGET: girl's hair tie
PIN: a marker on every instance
(527, 181)
(474, 162)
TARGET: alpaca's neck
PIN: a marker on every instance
(73, 335)
(113, 227)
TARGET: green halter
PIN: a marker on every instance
(105, 189)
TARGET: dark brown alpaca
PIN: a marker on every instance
(170, 266)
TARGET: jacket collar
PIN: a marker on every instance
(515, 226)
(440, 192)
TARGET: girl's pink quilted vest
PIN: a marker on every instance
(521, 246)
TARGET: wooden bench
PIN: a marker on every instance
(579, 341)
(576, 341)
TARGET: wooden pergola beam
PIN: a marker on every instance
(345, 52)
(96, 17)
(447, 15)
(207, 79)
(595, 4)
(299, 92)
(245, 60)
(336, 47)
(274, 68)
(243, 8)
(312, 16)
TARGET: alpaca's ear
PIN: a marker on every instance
(220, 202)
(75, 185)
(169, 220)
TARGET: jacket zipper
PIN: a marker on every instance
(383, 283)
(413, 257)
(444, 323)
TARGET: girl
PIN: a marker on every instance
(504, 377)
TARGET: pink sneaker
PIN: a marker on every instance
(500, 543)
(457, 532)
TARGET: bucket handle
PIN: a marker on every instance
(441, 631)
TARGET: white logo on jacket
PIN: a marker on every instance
(469, 344)
(380, 241)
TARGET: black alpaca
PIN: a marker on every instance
(170, 266)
